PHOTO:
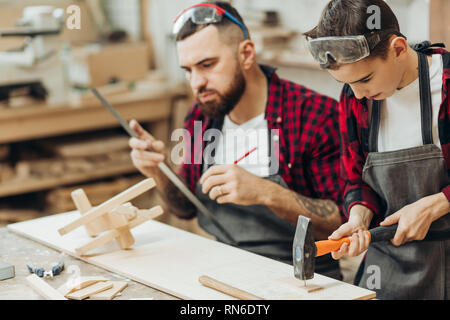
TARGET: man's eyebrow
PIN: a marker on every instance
(362, 79)
(198, 63)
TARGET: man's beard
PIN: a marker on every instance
(227, 101)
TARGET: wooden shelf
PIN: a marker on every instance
(40, 121)
(15, 187)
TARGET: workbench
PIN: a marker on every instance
(20, 251)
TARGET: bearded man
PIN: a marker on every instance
(260, 151)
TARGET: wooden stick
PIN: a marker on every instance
(109, 294)
(225, 288)
(98, 211)
(90, 290)
(43, 288)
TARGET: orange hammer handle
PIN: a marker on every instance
(327, 246)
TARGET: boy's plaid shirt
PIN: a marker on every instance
(353, 122)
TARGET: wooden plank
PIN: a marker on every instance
(161, 251)
(122, 197)
(90, 290)
(43, 288)
(118, 287)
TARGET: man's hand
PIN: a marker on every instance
(232, 184)
(414, 220)
(147, 152)
(358, 223)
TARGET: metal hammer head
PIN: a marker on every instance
(304, 250)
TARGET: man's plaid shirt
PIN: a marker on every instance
(354, 124)
(308, 139)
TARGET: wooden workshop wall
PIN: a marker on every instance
(440, 22)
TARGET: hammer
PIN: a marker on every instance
(305, 249)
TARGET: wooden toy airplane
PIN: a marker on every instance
(112, 219)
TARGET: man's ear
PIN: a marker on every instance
(399, 46)
(247, 54)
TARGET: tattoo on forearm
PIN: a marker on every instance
(319, 207)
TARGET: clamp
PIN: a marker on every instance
(41, 272)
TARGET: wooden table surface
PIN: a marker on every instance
(20, 251)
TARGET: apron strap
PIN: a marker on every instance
(374, 126)
(426, 111)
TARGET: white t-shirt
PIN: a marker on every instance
(236, 140)
(400, 120)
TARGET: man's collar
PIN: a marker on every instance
(268, 71)
(274, 104)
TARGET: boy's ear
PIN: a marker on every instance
(399, 46)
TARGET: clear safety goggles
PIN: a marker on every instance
(345, 49)
(204, 13)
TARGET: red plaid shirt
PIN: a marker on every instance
(353, 121)
(308, 139)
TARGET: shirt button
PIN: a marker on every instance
(289, 165)
(276, 138)
(279, 119)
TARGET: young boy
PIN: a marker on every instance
(395, 147)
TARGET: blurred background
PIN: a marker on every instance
(56, 137)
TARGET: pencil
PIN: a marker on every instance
(245, 155)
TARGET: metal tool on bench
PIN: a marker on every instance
(41, 272)
(22, 68)
(165, 169)
(305, 249)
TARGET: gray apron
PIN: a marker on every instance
(418, 269)
(257, 229)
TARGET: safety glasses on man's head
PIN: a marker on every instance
(204, 13)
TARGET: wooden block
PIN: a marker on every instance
(120, 223)
(83, 205)
(145, 215)
(6, 271)
(90, 290)
(125, 238)
(127, 210)
(80, 283)
(299, 284)
(43, 288)
(6, 172)
(118, 287)
(98, 211)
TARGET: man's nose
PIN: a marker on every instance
(198, 81)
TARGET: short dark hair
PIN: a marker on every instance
(349, 18)
(189, 28)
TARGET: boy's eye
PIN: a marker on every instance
(366, 80)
